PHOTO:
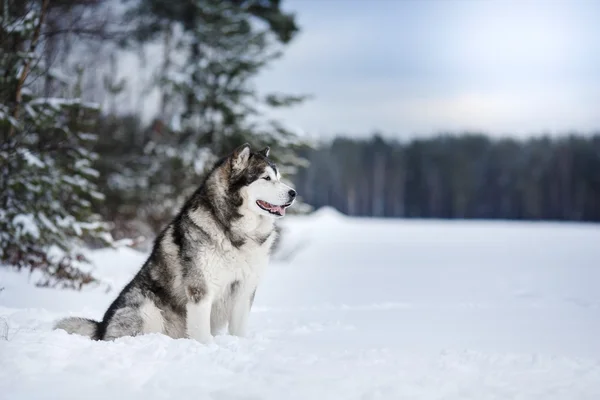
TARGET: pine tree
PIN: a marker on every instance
(47, 179)
(212, 50)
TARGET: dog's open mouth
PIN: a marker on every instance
(272, 208)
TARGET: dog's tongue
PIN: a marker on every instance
(277, 209)
(273, 208)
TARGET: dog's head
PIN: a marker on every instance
(258, 182)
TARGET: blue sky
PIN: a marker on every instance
(410, 67)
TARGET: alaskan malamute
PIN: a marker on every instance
(205, 266)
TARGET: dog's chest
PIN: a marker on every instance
(223, 265)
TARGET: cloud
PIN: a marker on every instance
(419, 67)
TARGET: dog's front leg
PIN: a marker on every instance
(198, 311)
(240, 312)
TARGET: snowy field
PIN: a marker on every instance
(351, 309)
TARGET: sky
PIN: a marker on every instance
(418, 67)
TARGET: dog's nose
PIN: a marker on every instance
(292, 193)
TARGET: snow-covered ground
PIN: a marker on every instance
(352, 309)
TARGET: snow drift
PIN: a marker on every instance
(351, 309)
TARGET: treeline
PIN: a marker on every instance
(461, 176)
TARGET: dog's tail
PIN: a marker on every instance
(80, 326)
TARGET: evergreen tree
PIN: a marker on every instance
(47, 179)
(212, 50)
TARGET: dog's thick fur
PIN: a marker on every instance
(205, 266)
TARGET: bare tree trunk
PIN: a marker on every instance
(351, 199)
(378, 199)
(165, 68)
(27, 66)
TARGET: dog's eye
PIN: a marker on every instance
(267, 178)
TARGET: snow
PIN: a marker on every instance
(57, 103)
(350, 308)
(26, 225)
(83, 166)
(75, 181)
(47, 223)
(88, 136)
(23, 24)
(31, 159)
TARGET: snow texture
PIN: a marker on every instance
(31, 159)
(26, 225)
(350, 309)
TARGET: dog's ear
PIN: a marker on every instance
(240, 157)
(265, 151)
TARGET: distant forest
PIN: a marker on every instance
(463, 176)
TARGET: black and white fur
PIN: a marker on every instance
(206, 265)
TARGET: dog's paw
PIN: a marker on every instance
(204, 339)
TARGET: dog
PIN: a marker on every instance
(206, 264)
